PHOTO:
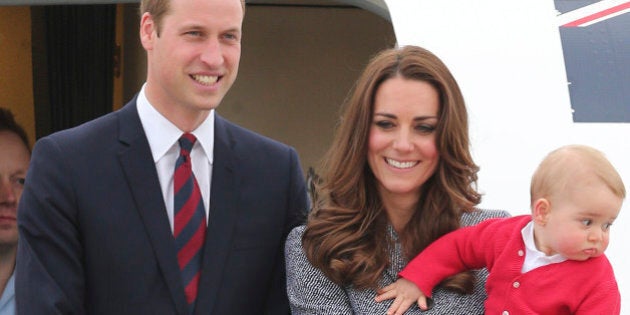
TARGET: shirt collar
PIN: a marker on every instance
(9, 291)
(162, 134)
(532, 252)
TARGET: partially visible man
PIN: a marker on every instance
(162, 207)
(14, 158)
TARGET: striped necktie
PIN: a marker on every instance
(190, 220)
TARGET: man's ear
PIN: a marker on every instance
(540, 211)
(147, 31)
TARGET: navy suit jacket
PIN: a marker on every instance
(94, 237)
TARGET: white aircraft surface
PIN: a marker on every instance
(535, 75)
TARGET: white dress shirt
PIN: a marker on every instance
(7, 301)
(162, 136)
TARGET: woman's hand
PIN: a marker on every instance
(404, 293)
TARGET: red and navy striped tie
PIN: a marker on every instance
(190, 220)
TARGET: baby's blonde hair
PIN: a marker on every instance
(564, 166)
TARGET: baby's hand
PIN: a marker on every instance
(404, 293)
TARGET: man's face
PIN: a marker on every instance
(14, 159)
(194, 60)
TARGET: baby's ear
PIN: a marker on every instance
(540, 211)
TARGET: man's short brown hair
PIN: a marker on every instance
(159, 8)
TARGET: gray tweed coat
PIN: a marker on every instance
(310, 292)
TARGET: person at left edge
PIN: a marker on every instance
(15, 153)
(96, 217)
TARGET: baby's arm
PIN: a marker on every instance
(404, 293)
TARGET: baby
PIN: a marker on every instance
(549, 262)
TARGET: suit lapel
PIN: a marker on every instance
(222, 217)
(137, 163)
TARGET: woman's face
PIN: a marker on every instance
(402, 152)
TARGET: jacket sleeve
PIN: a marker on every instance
(49, 272)
(310, 291)
(296, 215)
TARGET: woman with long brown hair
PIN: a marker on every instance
(398, 175)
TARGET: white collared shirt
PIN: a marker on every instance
(7, 300)
(533, 257)
(162, 136)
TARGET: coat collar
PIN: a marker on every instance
(222, 218)
(137, 163)
(135, 158)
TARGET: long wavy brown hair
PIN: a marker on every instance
(346, 234)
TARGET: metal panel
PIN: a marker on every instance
(596, 50)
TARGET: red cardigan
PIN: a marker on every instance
(569, 287)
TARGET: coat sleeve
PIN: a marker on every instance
(49, 270)
(296, 215)
(310, 291)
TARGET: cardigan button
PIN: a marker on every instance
(516, 284)
(505, 313)
(521, 253)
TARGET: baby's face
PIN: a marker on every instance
(578, 224)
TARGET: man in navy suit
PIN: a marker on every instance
(96, 219)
